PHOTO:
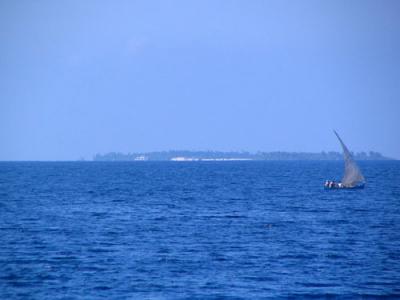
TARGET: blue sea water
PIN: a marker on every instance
(197, 230)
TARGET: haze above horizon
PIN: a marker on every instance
(85, 77)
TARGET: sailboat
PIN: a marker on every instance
(352, 178)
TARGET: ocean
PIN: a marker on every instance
(197, 230)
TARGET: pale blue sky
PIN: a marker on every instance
(81, 77)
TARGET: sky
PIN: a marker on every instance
(84, 77)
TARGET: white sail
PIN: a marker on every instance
(352, 173)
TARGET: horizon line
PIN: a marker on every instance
(241, 152)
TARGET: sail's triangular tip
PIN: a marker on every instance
(334, 131)
(340, 140)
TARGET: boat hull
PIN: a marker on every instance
(341, 187)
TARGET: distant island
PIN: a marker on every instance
(175, 155)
